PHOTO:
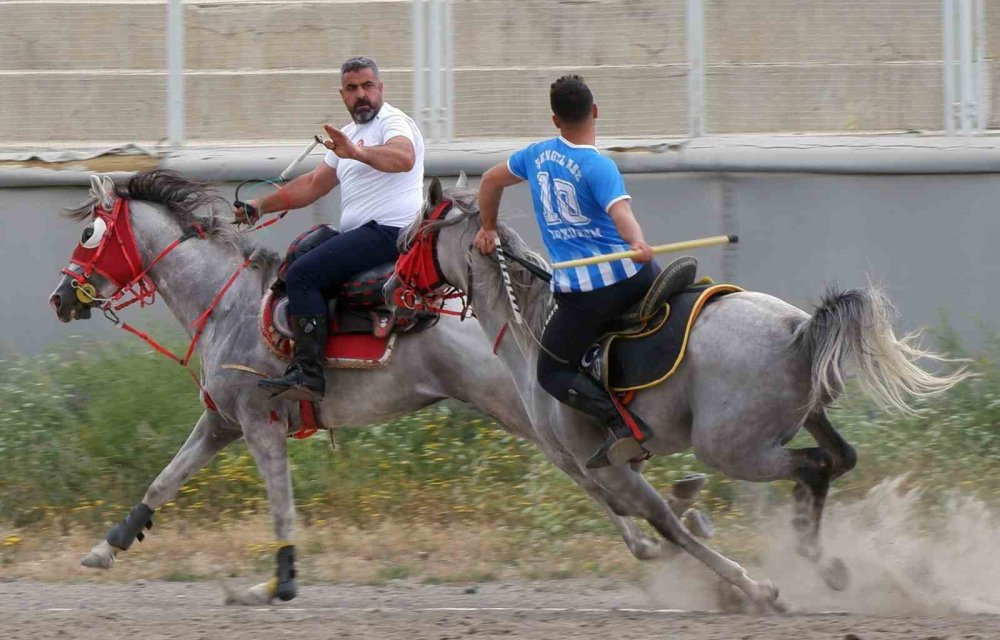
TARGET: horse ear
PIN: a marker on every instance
(463, 181)
(108, 187)
(435, 195)
(102, 188)
(95, 186)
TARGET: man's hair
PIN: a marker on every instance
(571, 99)
(357, 63)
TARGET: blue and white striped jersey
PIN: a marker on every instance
(572, 188)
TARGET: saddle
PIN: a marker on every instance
(646, 344)
(362, 330)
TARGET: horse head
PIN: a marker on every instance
(432, 261)
(130, 228)
(97, 260)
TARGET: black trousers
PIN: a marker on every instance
(320, 273)
(579, 320)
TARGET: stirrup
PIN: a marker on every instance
(616, 451)
(291, 386)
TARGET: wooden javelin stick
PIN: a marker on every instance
(710, 241)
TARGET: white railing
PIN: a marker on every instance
(966, 105)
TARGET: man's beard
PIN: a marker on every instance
(362, 117)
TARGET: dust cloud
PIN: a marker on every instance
(904, 558)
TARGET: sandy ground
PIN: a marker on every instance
(563, 609)
(912, 576)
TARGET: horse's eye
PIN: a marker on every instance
(93, 233)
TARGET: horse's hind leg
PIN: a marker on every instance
(815, 468)
(208, 437)
(822, 430)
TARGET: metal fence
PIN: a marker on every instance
(95, 72)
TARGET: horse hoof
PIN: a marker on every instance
(255, 596)
(687, 488)
(767, 597)
(648, 549)
(835, 574)
(101, 556)
(699, 524)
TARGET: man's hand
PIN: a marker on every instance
(646, 252)
(485, 240)
(341, 145)
(249, 213)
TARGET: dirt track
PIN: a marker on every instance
(564, 609)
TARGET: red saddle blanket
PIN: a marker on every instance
(358, 338)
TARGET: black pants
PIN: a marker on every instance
(320, 273)
(577, 323)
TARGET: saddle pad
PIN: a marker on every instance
(633, 362)
(358, 351)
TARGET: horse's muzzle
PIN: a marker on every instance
(66, 304)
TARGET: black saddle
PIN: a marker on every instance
(644, 346)
(677, 276)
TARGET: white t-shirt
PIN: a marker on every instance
(366, 194)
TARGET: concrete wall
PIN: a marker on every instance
(259, 70)
(928, 238)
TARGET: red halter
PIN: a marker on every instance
(423, 287)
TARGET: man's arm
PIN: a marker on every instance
(300, 192)
(395, 156)
(629, 229)
(491, 187)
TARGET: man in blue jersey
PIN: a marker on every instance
(583, 210)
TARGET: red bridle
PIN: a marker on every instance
(423, 287)
(117, 258)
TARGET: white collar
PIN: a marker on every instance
(577, 146)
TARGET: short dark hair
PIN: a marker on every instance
(357, 63)
(571, 99)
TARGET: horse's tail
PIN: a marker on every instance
(851, 331)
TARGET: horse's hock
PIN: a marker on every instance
(272, 72)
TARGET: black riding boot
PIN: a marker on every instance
(621, 445)
(304, 378)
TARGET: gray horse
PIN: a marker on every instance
(757, 370)
(450, 360)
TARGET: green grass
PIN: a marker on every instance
(84, 429)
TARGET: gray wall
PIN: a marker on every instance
(927, 238)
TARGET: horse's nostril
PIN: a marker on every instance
(56, 301)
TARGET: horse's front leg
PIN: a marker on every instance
(209, 436)
(267, 444)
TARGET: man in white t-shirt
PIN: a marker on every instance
(378, 161)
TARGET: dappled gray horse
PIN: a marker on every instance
(450, 360)
(757, 369)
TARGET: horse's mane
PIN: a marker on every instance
(182, 198)
(533, 294)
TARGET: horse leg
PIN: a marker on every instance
(641, 546)
(826, 435)
(743, 454)
(208, 437)
(644, 501)
(267, 445)
(815, 469)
